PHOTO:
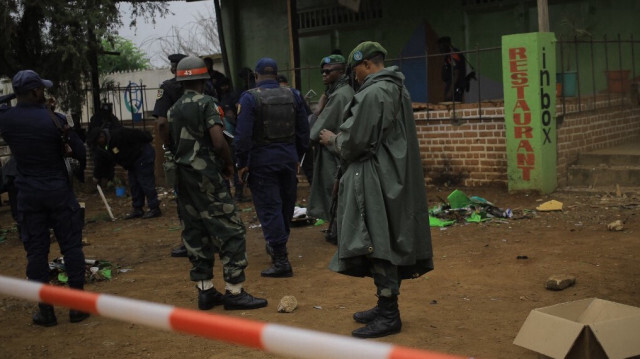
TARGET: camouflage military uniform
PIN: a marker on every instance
(209, 213)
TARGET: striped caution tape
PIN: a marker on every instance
(273, 338)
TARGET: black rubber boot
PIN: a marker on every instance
(386, 323)
(243, 300)
(45, 316)
(136, 213)
(280, 266)
(366, 316)
(76, 316)
(209, 298)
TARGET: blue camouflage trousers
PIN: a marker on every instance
(210, 224)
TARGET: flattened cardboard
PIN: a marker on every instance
(586, 329)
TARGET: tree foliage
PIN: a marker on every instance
(56, 38)
(196, 37)
(129, 59)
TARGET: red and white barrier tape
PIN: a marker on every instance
(273, 338)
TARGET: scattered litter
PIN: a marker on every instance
(319, 222)
(549, 206)
(95, 270)
(522, 257)
(300, 217)
(434, 302)
(317, 307)
(616, 226)
(458, 208)
(253, 226)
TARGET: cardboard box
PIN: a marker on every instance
(585, 329)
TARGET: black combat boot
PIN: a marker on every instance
(136, 213)
(242, 300)
(209, 298)
(387, 321)
(76, 316)
(366, 316)
(45, 316)
(280, 266)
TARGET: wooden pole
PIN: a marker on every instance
(543, 16)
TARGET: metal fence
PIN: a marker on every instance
(594, 73)
(131, 104)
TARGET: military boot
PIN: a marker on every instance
(387, 321)
(366, 316)
(45, 316)
(242, 300)
(209, 298)
(76, 316)
(280, 266)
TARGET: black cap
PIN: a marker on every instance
(175, 58)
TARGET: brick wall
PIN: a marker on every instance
(602, 124)
(470, 150)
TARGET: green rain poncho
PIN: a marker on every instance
(325, 163)
(382, 204)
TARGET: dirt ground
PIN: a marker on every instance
(472, 304)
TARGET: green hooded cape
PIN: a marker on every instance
(325, 163)
(382, 203)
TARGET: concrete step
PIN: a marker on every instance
(595, 159)
(603, 175)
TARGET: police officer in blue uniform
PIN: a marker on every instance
(45, 195)
(272, 134)
(130, 148)
(170, 91)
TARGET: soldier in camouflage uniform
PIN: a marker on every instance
(204, 163)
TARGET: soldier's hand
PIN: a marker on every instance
(325, 136)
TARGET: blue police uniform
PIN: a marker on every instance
(272, 165)
(45, 195)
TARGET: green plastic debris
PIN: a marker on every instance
(476, 217)
(319, 222)
(481, 201)
(106, 272)
(457, 199)
(176, 228)
(437, 222)
(62, 277)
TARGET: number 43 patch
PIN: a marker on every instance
(160, 92)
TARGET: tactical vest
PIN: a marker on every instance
(275, 120)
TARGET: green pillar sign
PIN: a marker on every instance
(529, 75)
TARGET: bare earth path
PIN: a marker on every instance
(472, 304)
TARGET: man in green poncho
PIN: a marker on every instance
(325, 163)
(383, 229)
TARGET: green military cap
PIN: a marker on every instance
(365, 50)
(332, 59)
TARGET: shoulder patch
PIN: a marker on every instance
(160, 92)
